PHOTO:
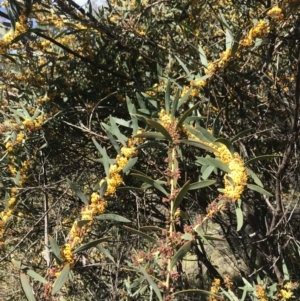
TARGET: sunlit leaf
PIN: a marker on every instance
(104, 156)
(254, 177)
(260, 158)
(227, 143)
(239, 218)
(112, 217)
(61, 280)
(105, 252)
(91, 244)
(150, 135)
(26, 287)
(187, 114)
(150, 181)
(201, 184)
(183, 191)
(215, 162)
(167, 97)
(55, 248)
(160, 128)
(197, 144)
(151, 283)
(175, 103)
(180, 253)
(78, 192)
(259, 189)
(203, 57)
(129, 165)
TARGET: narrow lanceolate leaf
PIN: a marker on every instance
(103, 187)
(91, 244)
(35, 276)
(106, 253)
(55, 248)
(167, 97)
(259, 189)
(142, 234)
(240, 135)
(198, 144)
(61, 280)
(201, 184)
(150, 181)
(217, 238)
(183, 191)
(255, 178)
(154, 144)
(132, 112)
(183, 66)
(82, 223)
(78, 192)
(197, 291)
(227, 143)
(239, 218)
(180, 253)
(260, 158)
(175, 104)
(203, 58)
(216, 122)
(184, 98)
(213, 162)
(150, 135)
(26, 287)
(151, 228)
(129, 165)
(187, 114)
(104, 156)
(152, 284)
(160, 128)
(112, 217)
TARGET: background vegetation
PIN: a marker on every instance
(149, 150)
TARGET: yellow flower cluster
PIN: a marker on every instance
(260, 30)
(260, 293)
(164, 118)
(115, 179)
(234, 186)
(286, 292)
(66, 254)
(214, 289)
(275, 13)
(32, 125)
(19, 139)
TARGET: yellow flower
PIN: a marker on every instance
(67, 254)
(128, 152)
(121, 161)
(11, 203)
(9, 146)
(275, 13)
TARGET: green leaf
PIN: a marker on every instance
(55, 248)
(227, 143)
(201, 184)
(141, 234)
(151, 228)
(217, 238)
(151, 282)
(198, 134)
(216, 122)
(229, 39)
(105, 252)
(150, 181)
(198, 144)
(91, 244)
(236, 42)
(260, 158)
(111, 137)
(203, 57)
(187, 236)
(175, 104)
(26, 287)
(78, 192)
(195, 291)
(35, 276)
(167, 97)
(254, 177)
(132, 112)
(103, 188)
(207, 135)
(115, 131)
(112, 217)
(61, 280)
(104, 155)
(154, 144)
(129, 165)
(240, 135)
(17, 178)
(180, 253)
(259, 189)
(150, 135)
(183, 191)
(215, 162)
(184, 98)
(187, 114)
(239, 218)
(207, 172)
(184, 67)
(160, 128)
